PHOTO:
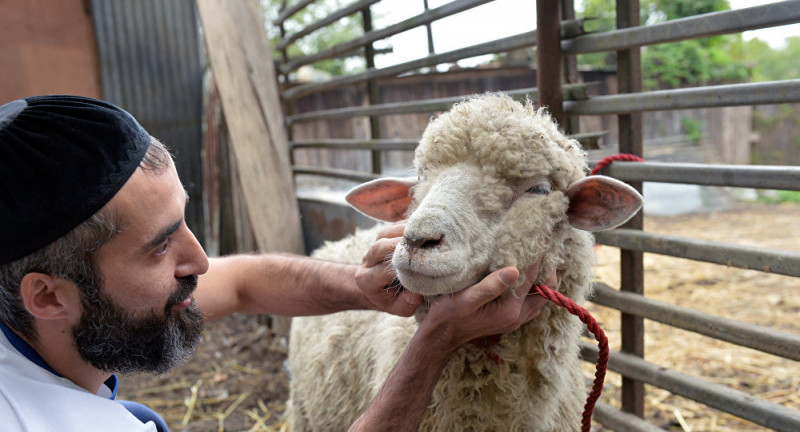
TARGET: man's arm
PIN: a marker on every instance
(291, 285)
(278, 284)
(452, 321)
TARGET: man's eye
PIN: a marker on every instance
(165, 247)
(539, 190)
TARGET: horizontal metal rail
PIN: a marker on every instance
(499, 45)
(587, 140)
(774, 92)
(745, 257)
(333, 17)
(764, 339)
(717, 396)
(291, 10)
(356, 144)
(698, 26)
(357, 176)
(413, 22)
(617, 420)
(571, 91)
(744, 176)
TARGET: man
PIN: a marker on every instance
(100, 274)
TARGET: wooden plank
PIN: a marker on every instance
(241, 60)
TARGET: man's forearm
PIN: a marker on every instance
(401, 402)
(278, 284)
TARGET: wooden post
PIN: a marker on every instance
(241, 60)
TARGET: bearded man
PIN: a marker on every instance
(99, 274)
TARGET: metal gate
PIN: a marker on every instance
(558, 37)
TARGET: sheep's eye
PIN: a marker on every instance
(540, 189)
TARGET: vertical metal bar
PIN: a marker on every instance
(372, 91)
(430, 30)
(629, 77)
(572, 123)
(286, 104)
(548, 58)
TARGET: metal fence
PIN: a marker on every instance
(558, 37)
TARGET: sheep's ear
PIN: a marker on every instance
(386, 199)
(598, 203)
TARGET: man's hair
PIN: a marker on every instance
(72, 256)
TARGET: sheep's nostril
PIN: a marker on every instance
(414, 244)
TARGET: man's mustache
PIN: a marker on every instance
(186, 286)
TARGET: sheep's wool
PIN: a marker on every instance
(488, 151)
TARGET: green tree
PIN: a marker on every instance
(342, 30)
(693, 62)
(770, 64)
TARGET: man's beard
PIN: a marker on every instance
(112, 340)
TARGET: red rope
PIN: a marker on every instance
(617, 157)
(602, 343)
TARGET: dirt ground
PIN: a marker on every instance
(237, 380)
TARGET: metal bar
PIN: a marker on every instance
(764, 339)
(629, 77)
(775, 92)
(617, 420)
(548, 58)
(744, 176)
(372, 92)
(331, 172)
(428, 29)
(571, 76)
(356, 144)
(316, 25)
(587, 140)
(499, 45)
(428, 105)
(426, 17)
(291, 10)
(717, 396)
(698, 26)
(746, 257)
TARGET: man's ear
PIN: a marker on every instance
(47, 297)
(598, 203)
(386, 199)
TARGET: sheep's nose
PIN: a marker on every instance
(415, 243)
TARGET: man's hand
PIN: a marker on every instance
(376, 277)
(482, 310)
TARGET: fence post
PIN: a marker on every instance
(372, 91)
(629, 76)
(548, 58)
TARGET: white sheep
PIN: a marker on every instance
(498, 185)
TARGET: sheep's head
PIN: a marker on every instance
(495, 180)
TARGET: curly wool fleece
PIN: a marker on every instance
(494, 178)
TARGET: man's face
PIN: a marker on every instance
(142, 317)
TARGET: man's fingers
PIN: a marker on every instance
(552, 280)
(380, 251)
(393, 230)
(489, 288)
(375, 278)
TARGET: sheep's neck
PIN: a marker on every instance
(487, 344)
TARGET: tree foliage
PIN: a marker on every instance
(694, 62)
(340, 31)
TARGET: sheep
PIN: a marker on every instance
(498, 184)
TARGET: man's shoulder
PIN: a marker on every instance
(30, 401)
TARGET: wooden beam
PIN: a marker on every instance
(240, 57)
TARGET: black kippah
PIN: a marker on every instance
(62, 158)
